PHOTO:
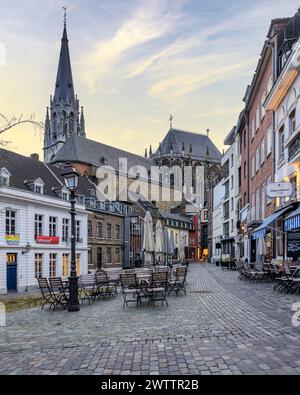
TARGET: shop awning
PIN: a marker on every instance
(293, 220)
(261, 230)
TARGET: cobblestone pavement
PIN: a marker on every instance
(223, 326)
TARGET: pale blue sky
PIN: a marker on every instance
(135, 62)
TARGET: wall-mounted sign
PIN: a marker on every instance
(12, 239)
(47, 240)
(293, 244)
(279, 190)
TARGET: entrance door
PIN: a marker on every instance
(11, 262)
(99, 258)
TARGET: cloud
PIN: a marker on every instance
(152, 20)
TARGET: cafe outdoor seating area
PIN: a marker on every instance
(143, 286)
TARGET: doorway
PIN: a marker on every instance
(11, 264)
(99, 258)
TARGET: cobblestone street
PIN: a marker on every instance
(223, 326)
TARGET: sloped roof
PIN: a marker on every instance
(23, 168)
(175, 217)
(82, 150)
(199, 143)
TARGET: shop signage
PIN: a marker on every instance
(293, 244)
(47, 240)
(12, 239)
(279, 190)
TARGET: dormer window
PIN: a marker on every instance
(4, 177)
(36, 186)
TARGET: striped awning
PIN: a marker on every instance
(292, 221)
(261, 230)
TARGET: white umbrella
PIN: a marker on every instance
(148, 240)
(181, 252)
(261, 247)
(159, 241)
(171, 246)
(166, 243)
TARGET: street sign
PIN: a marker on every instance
(279, 190)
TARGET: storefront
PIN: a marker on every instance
(292, 229)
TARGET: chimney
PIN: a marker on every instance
(35, 157)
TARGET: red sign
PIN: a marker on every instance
(47, 240)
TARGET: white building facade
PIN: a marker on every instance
(35, 238)
(217, 225)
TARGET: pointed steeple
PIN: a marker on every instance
(64, 88)
(64, 118)
(82, 123)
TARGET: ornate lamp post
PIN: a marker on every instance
(71, 177)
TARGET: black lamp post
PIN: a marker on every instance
(71, 177)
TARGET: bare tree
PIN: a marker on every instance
(9, 123)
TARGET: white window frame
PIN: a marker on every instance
(257, 118)
(269, 141)
(252, 167)
(262, 151)
(11, 222)
(53, 226)
(257, 161)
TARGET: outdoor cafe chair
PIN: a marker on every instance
(178, 284)
(87, 287)
(103, 286)
(130, 288)
(47, 295)
(59, 292)
(158, 288)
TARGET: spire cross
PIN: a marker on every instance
(65, 14)
(171, 121)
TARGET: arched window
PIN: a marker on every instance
(54, 126)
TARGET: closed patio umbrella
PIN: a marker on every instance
(148, 240)
(159, 242)
(181, 252)
(261, 249)
(171, 246)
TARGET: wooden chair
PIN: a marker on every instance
(130, 288)
(59, 292)
(158, 287)
(178, 284)
(87, 287)
(47, 296)
(103, 286)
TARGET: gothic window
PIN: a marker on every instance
(71, 122)
(54, 126)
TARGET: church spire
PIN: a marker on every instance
(63, 119)
(64, 88)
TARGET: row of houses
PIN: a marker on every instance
(258, 196)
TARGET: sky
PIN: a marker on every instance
(134, 63)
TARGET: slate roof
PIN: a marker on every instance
(175, 217)
(82, 150)
(23, 168)
(199, 143)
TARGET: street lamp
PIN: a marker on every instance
(71, 178)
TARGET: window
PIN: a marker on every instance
(245, 139)
(117, 232)
(269, 141)
(257, 118)
(38, 265)
(262, 151)
(52, 226)
(252, 167)
(52, 265)
(38, 189)
(269, 180)
(253, 207)
(263, 201)
(4, 177)
(90, 231)
(292, 122)
(281, 143)
(118, 255)
(65, 196)
(257, 163)
(65, 230)
(262, 108)
(99, 257)
(293, 181)
(253, 128)
(65, 265)
(108, 231)
(232, 225)
(108, 252)
(232, 183)
(245, 169)
(99, 230)
(10, 222)
(38, 225)
(232, 204)
(232, 160)
(78, 264)
(77, 230)
(257, 200)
